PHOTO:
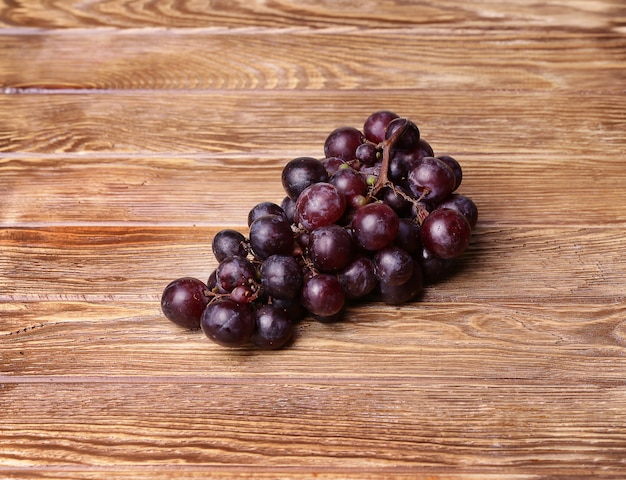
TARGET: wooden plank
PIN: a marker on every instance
(197, 61)
(113, 263)
(567, 345)
(237, 122)
(302, 426)
(215, 190)
(600, 15)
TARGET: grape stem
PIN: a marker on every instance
(383, 177)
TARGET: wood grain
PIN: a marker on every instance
(376, 425)
(497, 124)
(481, 14)
(131, 132)
(305, 61)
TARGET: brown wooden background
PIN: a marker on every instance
(130, 132)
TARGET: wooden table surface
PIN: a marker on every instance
(131, 132)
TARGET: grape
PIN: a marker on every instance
(351, 184)
(395, 200)
(301, 173)
(330, 248)
(322, 295)
(358, 278)
(333, 164)
(455, 167)
(264, 208)
(432, 180)
(377, 218)
(320, 204)
(397, 294)
(446, 233)
(409, 236)
(292, 307)
(233, 272)
(376, 125)
(273, 328)
(367, 154)
(393, 266)
(403, 162)
(375, 226)
(433, 267)
(463, 204)
(289, 207)
(281, 277)
(228, 243)
(227, 322)
(409, 137)
(184, 300)
(343, 142)
(271, 235)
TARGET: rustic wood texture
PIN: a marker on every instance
(131, 132)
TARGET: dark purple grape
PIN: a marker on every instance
(358, 278)
(343, 142)
(455, 166)
(375, 226)
(281, 277)
(273, 328)
(351, 184)
(330, 248)
(322, 295)
(292, 307)
(184, 300)
(463, 204)
(376, 125)
(409, 236)
(396, 201)
(433, 267)
(271, 235)
(320, 204)
(289, 207)
(431, 180)
(245, 293)
(446, 233)
(408, 139)
(228, 323)
(333, 164)
(393, 266)
(228, 243)
(301, 173)
(212, 281)
(368, 154)
(403, 162)
(398, 294)
(262, 209)
(235, 271)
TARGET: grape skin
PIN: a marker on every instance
(228, 323)
(271, 235)
(320, 204)
(301, 173)
(273, 328)
(375, 226)
(183, 301)
(330, 248)
(322, 295)
(446, 233)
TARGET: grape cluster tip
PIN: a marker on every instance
(377, 219)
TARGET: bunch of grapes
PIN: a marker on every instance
(376, 219)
